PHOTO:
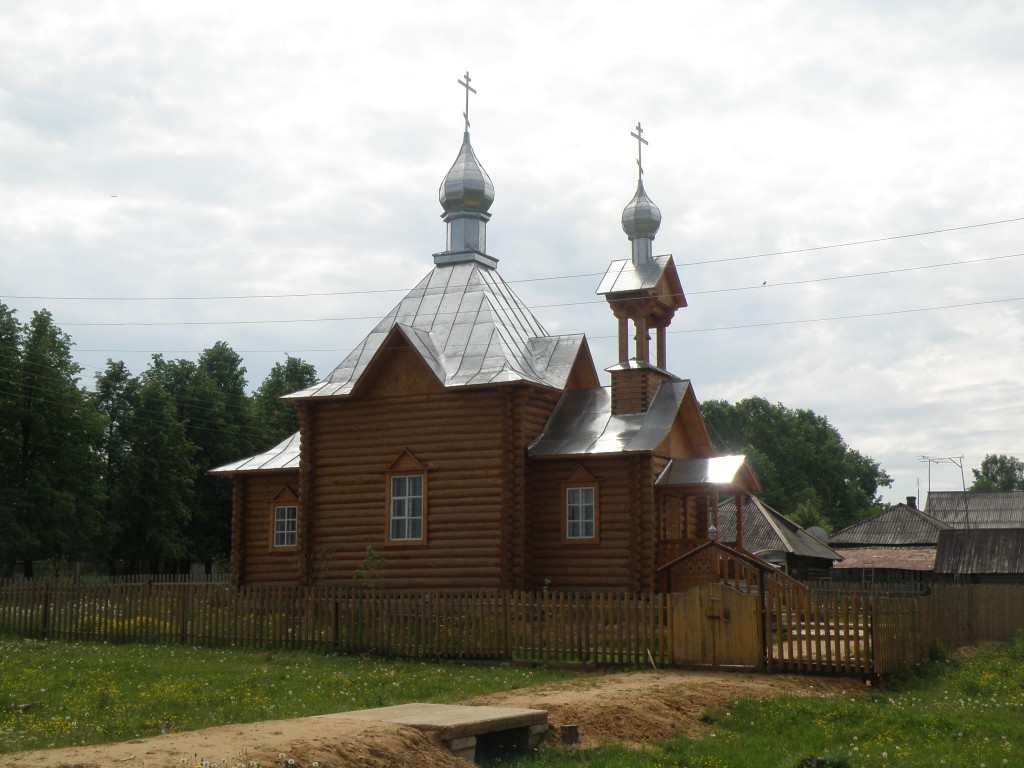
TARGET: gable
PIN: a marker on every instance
(688, 436)
(397, 369)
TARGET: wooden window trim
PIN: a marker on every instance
(285, 505)
(581, 540)
(390, 476)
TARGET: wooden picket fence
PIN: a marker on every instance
(786, 628)
(624, 629)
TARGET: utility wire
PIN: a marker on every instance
(523, 280)
(828, 278)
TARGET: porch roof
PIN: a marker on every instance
(725, 474)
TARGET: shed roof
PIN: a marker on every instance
(582, 423)
(894, 558)
(972, 509)
(766, 530)
(470, 328)
(899, 525)
(984, 551)
(283, 456)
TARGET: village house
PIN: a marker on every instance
(469, 448)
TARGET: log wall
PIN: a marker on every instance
(254, 559)
(610, 562)
(471, 444)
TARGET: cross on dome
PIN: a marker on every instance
(640, 141)
(466, 84)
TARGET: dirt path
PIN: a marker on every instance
(630, 708)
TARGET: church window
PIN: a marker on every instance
(406, 503)
(580, 513)
(286, 526)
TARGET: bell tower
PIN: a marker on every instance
(644, 291)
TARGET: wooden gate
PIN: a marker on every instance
(716, 625)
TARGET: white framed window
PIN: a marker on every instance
(406, 502)
(580, 520)
(286, 519)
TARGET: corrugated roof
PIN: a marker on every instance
(766, 530)
(470, 328)
(899, 525)
(582, 423)
(898, 558)
(283, 456)
(984, 551)
(977, 510)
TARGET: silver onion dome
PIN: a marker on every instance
(640, 221)
(466, 187)
(641, 218)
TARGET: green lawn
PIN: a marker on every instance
(957, 714)
(965, 714)
(56, 694)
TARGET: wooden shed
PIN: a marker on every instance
(468, 447)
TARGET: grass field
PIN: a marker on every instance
(963, 714)
(57, 694)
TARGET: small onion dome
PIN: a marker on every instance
(466, 187)
(641, 218)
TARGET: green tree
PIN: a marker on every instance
(58, 504)
(211, 403)
(15, 537)
(999, 473)
(276, 419)
(802, 461)
(154, 492)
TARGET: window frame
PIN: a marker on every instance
(569, 506)
(274, 530)
(392, 498)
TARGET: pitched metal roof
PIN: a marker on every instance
(582, 423)
(766, 530)
(984, 551)
(470, 328)
(897, 558)
(730, 473)
(977, 510)
(899, 525)
(624, 276)
(283, 456)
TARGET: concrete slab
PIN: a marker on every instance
(455, 721)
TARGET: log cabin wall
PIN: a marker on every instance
(256, 560)
(471, 446)
(612, 562)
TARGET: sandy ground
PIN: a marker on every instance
(630, 708)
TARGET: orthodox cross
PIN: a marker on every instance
(640, 141)
(468, 88)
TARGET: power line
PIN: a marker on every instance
(827, 278)
(522, 280)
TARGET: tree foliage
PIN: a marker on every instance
(803, 463)
(120, 473)
(999, 473)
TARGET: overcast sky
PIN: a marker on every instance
(160, 160)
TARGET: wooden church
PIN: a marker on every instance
(469, 448)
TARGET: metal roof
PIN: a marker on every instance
(470, 328)
(981, 551)
(624, 276)
(714, 470)
(283, 456)
(957, 509)
(765, 530)
(897, 558)
(899, 525)
(582, 423)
